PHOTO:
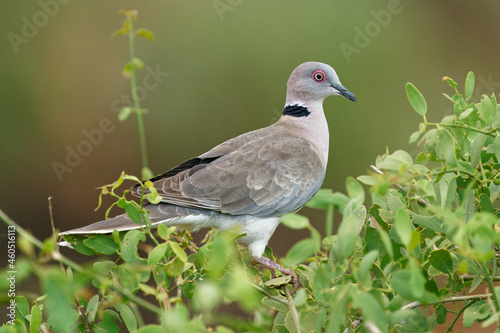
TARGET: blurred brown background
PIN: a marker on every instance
(217, 69)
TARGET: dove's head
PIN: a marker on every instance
(312, 82)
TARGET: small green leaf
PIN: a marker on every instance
(295, 221)
(101, 244)
(145, 33)
(416, 99)
(128, 316)
(77, 242)
(146, 173)
(469, 85)
(476, 148)
(325, 198)
(363, 272)
(417, 280)
(485, 203)
(137, 63)
(278, 282)
(478, 311)
(355, 190)
(164, 231)
(129, 279)
(441, 260)
(36, 319)
(301, 251)
(441, 314)
(157, 254)
(445, 147)
(92, 307)
(124, 113)
(181, 254)
(414, 136)
(129, 246)
(133, 212)
(347, 235)
(372, 310)
(404, 227)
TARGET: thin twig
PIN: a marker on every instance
(292, 309)
(265, 292)
(420, 201)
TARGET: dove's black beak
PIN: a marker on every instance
(344, 92)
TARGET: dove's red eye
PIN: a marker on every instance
(318, 76)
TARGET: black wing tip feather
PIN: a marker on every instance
(186, 165)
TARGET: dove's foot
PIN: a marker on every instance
(271, 265)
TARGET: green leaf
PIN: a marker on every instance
(137, 63)
(348, 233)
(101, 244)
(404, 227)
(355, 190)
(124, 113)
(133, 212)
(476, 312)
(400, 281)
(278, 282)
(36, 319)
(469, 85)
(363, 272)
(301, 251)
(441, 260)
(181, 254)
(325, 198)
(440, 314)
(414, 136)
(416, 99)
(486, 109)
(485, 203)
(417, 280)
(92, 307)
(157, 254)
(77, 242)
(22, 306)
(372, 310)
(445, 147)
(106, 327)
(128, 316)
(295, 221)
(129, 246)
(466, 113)
(145, 33)
(477, 148)
(129, 278)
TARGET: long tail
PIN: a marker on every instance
(161, 213)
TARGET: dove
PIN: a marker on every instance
(249, 181)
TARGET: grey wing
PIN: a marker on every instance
(267, 176)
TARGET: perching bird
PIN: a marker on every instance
(250, 180)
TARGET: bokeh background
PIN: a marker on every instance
(220, 69)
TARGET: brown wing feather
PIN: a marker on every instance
(262, 176)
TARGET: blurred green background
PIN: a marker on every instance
(221, 69)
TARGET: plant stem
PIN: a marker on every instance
(490, 133)
(450, 328)
(329, 221)
(292, 309)
(135, 98)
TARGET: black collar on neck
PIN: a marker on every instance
(296, 110)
